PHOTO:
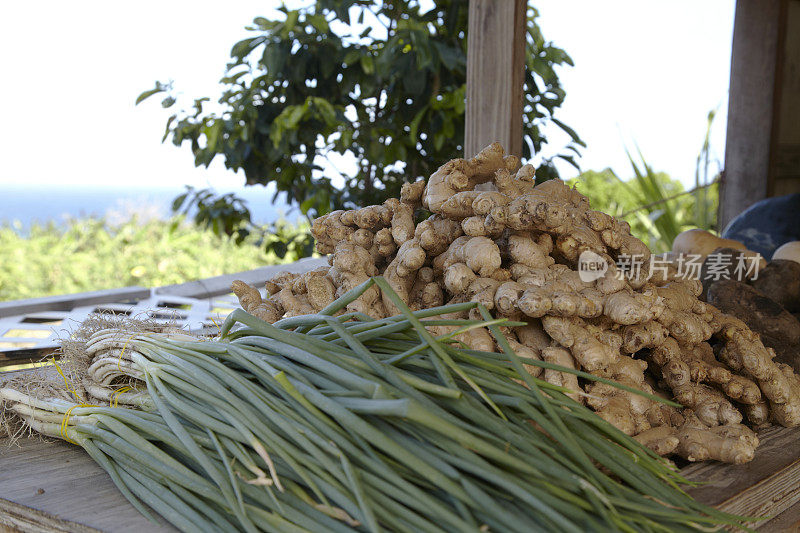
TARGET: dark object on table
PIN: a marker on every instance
(767, 224)
(780, 280)
(722, 264)
(778, 328)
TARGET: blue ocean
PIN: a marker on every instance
(23, 205)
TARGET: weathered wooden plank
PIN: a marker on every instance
(767, 486)
(29, 336)
(222, 284)
(18, 517)
(62, 486)
(495, 75)
(22, 357)
(77, 490)
(74, 488)
(787, 521)
(786, 144)
(66, 302)
(79, 305)
(204, 288)
(750, 106)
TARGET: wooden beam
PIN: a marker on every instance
(766, 486)
(52, 485)
(495, 75)
(203, 288)
(55, 486)
(754, 58)
(219, 285)
(66, 302)
(25, 356)
(15, 518)
(785, 169)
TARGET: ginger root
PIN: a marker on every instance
(495, 237)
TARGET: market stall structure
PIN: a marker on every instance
(768, 486)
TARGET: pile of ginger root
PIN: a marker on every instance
(495, 237)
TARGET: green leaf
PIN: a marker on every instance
(295, 114)
(307, 204)
(571, 132)
(233, 78)
(147, 94)
(451, 56)
(170, 120)
(414, 126)
(273, 60)
(352, 56)
(571, 160)
(279, 248)
(212, 135)
(325, 109)
(290, 23)
(368, 64)
(438, 141)
(448, 130)
(318, 22)
(198, 104)
(178, 201)
(245, 46)
(415, 83)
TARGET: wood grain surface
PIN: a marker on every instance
(218, 285)
(65, 302)
(767, 486)
(750, 106)
(495, 75)
(56, 486)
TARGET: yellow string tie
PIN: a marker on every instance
(122, 353)
(114, 400)
(219, 329)
(66, 381)
(65, 421)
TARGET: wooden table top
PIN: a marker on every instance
(56, 486)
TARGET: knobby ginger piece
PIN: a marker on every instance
(496, 238)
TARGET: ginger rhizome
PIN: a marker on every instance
(493, 236)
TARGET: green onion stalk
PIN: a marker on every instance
(340, 422)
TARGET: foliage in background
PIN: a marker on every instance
(665, 212)
(656, 206)
(227, 215)
(382, 81)
(703, 176)
(89, 254)
(642, 202)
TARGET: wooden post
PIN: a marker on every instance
(495, 75)
(754, 64)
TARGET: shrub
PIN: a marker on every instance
(91, 254)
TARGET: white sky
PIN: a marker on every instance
(646, 72)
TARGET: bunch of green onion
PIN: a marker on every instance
(342, 423)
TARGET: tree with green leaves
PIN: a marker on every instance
(380, 81)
